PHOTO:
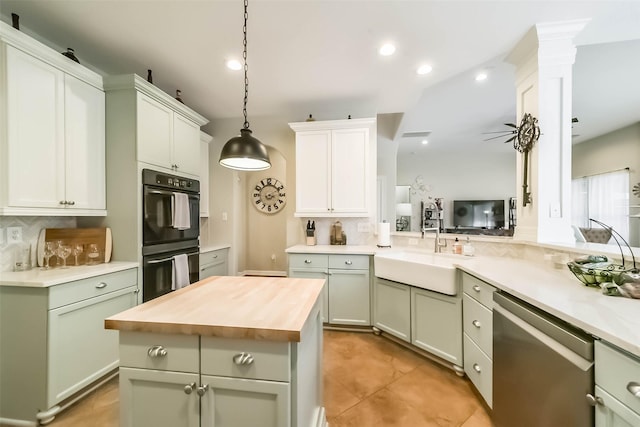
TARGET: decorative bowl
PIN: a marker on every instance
(595, 273)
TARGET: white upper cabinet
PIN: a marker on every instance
(335, 166)
(52, 138)
(166, 138)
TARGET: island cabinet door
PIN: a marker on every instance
(234, 402)
(158, 398)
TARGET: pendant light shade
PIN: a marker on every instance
(244, 152)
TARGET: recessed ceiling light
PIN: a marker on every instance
(425, 142)
(424, 69)
(387, 49)
(234, 64)
(481, 76)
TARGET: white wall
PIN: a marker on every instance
(613, 151)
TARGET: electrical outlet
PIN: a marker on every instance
(14, 234)
(224, 216)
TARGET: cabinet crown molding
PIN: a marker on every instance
(134, 81)
(333, 124)
(26, 43)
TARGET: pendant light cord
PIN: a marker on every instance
(244, 56)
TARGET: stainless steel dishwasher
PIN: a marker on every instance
(542, 368)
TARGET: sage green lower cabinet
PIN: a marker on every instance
(617, 378)
(53, 343)
(214, 263)
(392, 308)
(346, 297)
(159, 398)
(477, 321)
(436, 324)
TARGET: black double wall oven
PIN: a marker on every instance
(170, 230)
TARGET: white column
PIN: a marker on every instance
(544, 61)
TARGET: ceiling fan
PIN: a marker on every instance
(513, 133)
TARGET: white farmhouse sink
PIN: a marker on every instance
(426, 270)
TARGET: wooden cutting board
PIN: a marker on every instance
(76, 236)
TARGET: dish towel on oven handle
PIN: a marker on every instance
(180, 215)
(180, 277)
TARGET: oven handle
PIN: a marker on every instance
(158, 261)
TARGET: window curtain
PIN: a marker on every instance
(603, 197)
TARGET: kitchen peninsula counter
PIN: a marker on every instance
(230, 351)
(40, 278)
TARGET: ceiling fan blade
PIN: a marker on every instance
(506, 132)
(511, 125)
(494, 137)
(511, 139)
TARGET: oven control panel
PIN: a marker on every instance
(159, 179)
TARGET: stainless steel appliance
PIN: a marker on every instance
(162, 240)
(542, 368)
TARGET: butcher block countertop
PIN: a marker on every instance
(260, 308)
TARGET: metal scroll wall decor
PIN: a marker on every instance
(527, 135)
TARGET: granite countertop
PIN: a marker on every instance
(261, 308)
(39, 278)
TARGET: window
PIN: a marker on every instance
(603, 197)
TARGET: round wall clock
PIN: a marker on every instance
(269, 195)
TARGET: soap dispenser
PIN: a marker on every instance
(457, 247)
(468, 248)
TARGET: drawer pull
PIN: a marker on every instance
(476, 288)
(157, 351)
(348, 262)
(634, 388)
(243, 359)
(476, 368)
(101, 285)
(307, 261)
(202, 389)
(188, 389)
(594, 400)
(476, 324)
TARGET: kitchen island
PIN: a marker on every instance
(225, 351)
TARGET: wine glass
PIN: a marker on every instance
(48, 252)
(77, 250)
(63, 252)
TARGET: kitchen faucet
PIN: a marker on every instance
(438, 245)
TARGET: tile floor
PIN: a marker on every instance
(369, 382)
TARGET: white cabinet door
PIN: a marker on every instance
(158, 398)
(84, 145)
(35, 151)
(155, 132)
(186, 145)
(81, 350)
(313, 172)
(392, 308)
(349, 297)
(233, 402)
(612, 413)
(349, 178)
(436, 324)
(315, 273)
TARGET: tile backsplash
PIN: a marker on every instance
(31, 226)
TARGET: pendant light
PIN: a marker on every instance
(245, 152)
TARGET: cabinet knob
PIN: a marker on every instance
(243, 359)
(307, 261)
(476, 288)
(157, 351)
(634, 388)
(476, 368)
(348, 262)
(188, 389)
(101, 285)
(63, 202)
(476, 323)
(202, 389)
(594, 400)
(71, 203)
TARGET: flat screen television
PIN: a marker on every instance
(478, 214)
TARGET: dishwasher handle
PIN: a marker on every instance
(581, 363)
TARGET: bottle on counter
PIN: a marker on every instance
(468, 248)
(457, 247)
